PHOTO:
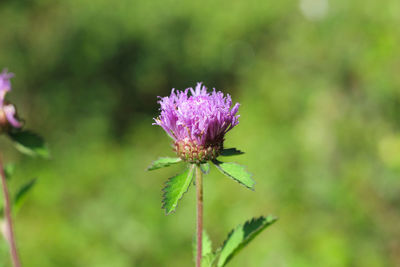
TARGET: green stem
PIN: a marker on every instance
(199, 187)
(9, 231)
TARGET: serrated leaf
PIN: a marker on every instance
(208, 260)
(163, 162)
(30, 143)
(207, 245)
(208, 256)
(175, 188)
(236, 172)
(205, 168)
(9, 170)
(21, 195)
(241, 236)
(231, 152)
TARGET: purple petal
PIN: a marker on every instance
(5, 84)
(201, 116)
(10, 112)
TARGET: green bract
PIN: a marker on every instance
(30, 143)
(237, 239)
(231, 152)
(205, 168)
(163, 162)
(236, 172)
(176, 186)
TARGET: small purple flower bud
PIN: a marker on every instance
(8, 116)
(5, 84)
(198, 122)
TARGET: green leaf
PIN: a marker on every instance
(208, 257)
(236, 172)
(21, 195)
(30, 143)
(207, 245)
(231, 152)
(205, 168)
(9, 170)
(208, 260)
(241, 236)
(163, 162)
(175, 188)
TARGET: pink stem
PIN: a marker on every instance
(199, 186)
(9, 231)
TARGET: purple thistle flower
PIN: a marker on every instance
(8, 114)
(198, 122)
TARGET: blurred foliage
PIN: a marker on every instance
(319, 86)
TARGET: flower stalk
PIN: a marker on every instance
(9, 231)
(197, 121)
(199, 187)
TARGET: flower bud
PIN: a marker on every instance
(8, 113)
(192, 152)
(8, 118)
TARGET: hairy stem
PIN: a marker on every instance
(199, 187)
(8, 231)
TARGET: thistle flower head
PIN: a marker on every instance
(7, 111)
(197, 121)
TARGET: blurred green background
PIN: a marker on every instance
(319, 85)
